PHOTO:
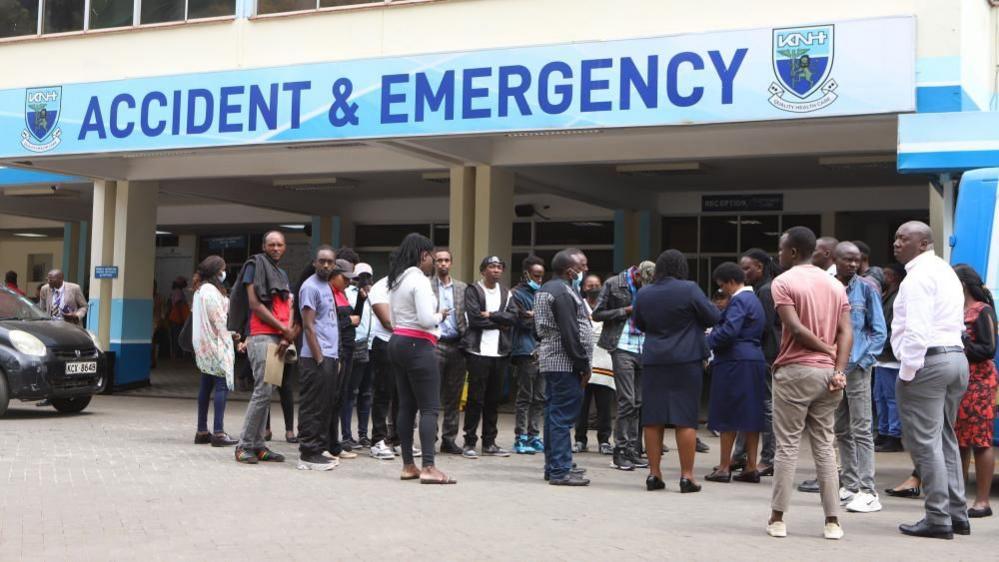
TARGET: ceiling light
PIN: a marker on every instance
(654, 167)
(316, 184)
(564, 132)
(30, 235)
(293, 226)
(587, 224)
(163, 233)
(745, 221)
(437, 177)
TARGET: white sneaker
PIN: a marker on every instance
(846, 496)
(417, 451)
(864, 503)
(777, 529)
(381, 451)
(833, 531)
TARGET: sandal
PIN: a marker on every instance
(444, 479)
(405, 476)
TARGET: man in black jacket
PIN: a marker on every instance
(624, 342)
(450, 294)
(487, 342)
(565, 351)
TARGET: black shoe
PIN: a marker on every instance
(809, 486)
(768, 471)
(653, 483)
(905, 493)
(880, 439)
(890, 445)
(202, 438)
(223, 440)
(350, 445)
(636, 459)
(494, 450)
(737, 464)
(702, 447)
(267, 455)
(450, 448)
(291, 438)
(975, 513)
(752, 477)
(622, 460)
(961, 527)
(577, 471)
(569, 480)
(719, 476)
(245, 457)
(924, 529)
(688, 487)
(366, 443)
(268, 435)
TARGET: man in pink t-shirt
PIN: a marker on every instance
(808, 374)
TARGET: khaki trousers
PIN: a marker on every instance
(803, 403)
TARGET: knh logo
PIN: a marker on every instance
(803, 61)
(41, 115)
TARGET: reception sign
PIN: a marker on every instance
(827, 69)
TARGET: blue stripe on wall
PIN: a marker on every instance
(17, 176)
(131, 320)
(93, 309)
(131, 362)
(933, 162)
(943, 99)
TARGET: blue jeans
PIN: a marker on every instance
(884, 400)
(210, 383)
(358, 392)
(563, 395)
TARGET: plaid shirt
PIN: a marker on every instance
(553, 355)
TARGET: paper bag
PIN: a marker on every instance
(273, 366)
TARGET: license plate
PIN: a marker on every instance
(81, 368)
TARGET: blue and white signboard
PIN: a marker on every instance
(821, 70)
(106, 272)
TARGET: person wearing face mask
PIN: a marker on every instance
(213, 348)
(601, 386)
(530, 386)
(624, 340)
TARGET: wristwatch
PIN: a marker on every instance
(839, 373)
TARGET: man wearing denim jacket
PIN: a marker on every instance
(854, 432)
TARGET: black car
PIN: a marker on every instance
(46, 359)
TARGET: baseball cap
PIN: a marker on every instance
(486, 262)
(363, 268)
(345, 268)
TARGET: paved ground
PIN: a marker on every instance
(123, 481)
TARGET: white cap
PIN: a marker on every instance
(363, 268)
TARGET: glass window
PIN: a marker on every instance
(367, 235)
(63, 15)
(333, 3)
(521, 234)
(814, 222)
(18, 17)
(160, 11)
(210, 8)
(278, 6)
(105, 14)
(718, 233)
(759, 232)
(680, 233)
(576, 233)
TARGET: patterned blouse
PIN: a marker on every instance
(213, 346)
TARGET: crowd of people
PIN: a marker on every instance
(817, 344)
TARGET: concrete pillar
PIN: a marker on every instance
(650, 230)
(326, 230)
(70, 247)
(462, 223)
(493, 217)
(83, 254)
(637, 237)
(131, 292)
(102, 253)
(942, 199)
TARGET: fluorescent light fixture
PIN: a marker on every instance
(437, 177)
(868, 160)
(293, 226)
(745, 221)
(559, 133)
(30, 235)
(659, 167)
(316, 184)
(163, 233)
(587, 224)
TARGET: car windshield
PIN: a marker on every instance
(16, 307)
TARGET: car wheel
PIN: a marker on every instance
(4, 394)
(70, 405)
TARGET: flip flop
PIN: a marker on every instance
(443, 480)
(409, 477)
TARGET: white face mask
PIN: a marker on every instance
(222, 276)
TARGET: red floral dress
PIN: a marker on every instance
(976, 414)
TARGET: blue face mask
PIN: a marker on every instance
(577, 281)
(533, 284)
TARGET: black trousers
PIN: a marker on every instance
(419, 384)
(604, 397)
(317, 384)
(451, 363)
(485, 385)
(346, 363)
(385, 401)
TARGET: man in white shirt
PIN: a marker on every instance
(487, 341)
(926, 337)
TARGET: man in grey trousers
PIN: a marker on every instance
(926, 336)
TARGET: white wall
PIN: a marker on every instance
(223, 213)
(14, 257)
(448, 25)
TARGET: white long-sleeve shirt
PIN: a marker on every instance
(413, 303)
(929, 312)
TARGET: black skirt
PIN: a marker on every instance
(671, 394)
